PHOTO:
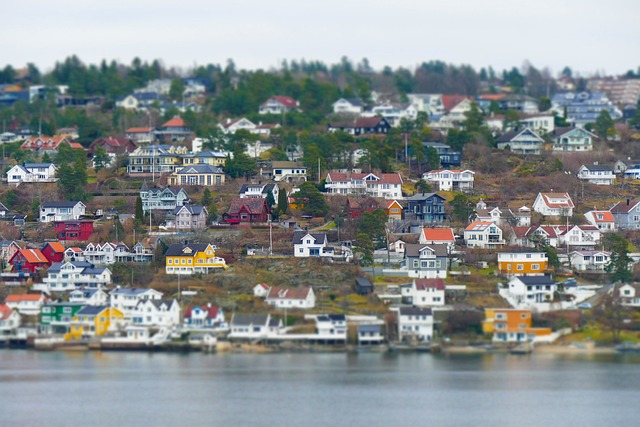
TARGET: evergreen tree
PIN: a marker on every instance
(314, 204)
(101, 159)
(618, 267)
(283, 202)
(139, 212)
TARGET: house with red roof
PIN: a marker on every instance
(53, 251)
(29, 261)
(278, 105)
(386, 185)
(394, 210)
(554, 204)
(140, 135)
(356, 207)
(247, 210)
(9, 319)
(48, 144)
(114, 146)
(26, 304)
(423, 292)
(435, 236)
(602, 219)
(205, 317)
(174, 130)
(456, 106)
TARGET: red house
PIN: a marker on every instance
(73, 230)
(53, 251)
(247, 210)
(29, 260)
(356, 207)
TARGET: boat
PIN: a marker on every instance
(628, 347)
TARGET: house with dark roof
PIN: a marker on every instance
(246, 326)
(61, 211)
(247, 210)
(363, 286)
(278, 105)
(301, 297)
(626, 214)
(425, 261)
(415, 324)
(162, 199)
(307, 244)
(31, 173)
(67, 276)
(376, 125)
(572, 139)
(529, 290)
(524, 141)
(190, 217)
(259, 191)
(113, 146)
(348, 106)
(427, 208)
(423, 292)
(126, 299)
(201, 175)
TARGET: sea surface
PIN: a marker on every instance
(53, 389)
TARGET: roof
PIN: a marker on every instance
(139, 130)
(284, 100)
(383, 178)
(424, 196)
(451, 101)
(438, 234)
(363, 282)
(299, 235)
(624, 206)
(479, 226)
(65, 204)
(23, 297)
(200, 169)
(193, 210)
(535, 280)
(249, 319)
(91, 310)
(602, 216)
(413, 250)
(565, 202)
(178, 249)
(33, 256)
(175, 122)
(56, 246)
(282, 293)
(212, 312)
(5, 311)
(254, 206)
(368, 122)
(422, 284)
(131, 291)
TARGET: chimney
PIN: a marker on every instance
(628, 202)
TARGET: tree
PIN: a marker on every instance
(283, 202)
(314, 204)
(422, 186)
(177, 89)
(618, 267)
(270, 200)
(240, 165)
(433, 158)
(611, 314)
(364, 249)
(374, 225)
(101, 159)
(139, 211)
(461, 208)
(604, 126)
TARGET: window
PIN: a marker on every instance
(535, 266)
(520, 267)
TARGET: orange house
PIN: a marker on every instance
(394, 210)
(522, 263)
(511, 325)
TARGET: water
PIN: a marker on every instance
(140, 389)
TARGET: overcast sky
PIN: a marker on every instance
(586, 35)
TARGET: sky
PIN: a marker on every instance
(588, 36)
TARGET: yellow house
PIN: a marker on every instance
(394, 210)
(511, 325)
(203, 175)
(192, 258)
(94, 321)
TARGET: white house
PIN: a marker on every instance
(259, 191)
(26, 304)
(278, 105)
(629, 295)
(580, 237)
(387, 185)
(261, 290)
(423, 292)
(205, 317)
(330, 327)
(525, 141)
(602, 219)
(68, 276)
(32, 172)
(283, 171)
(254, 326)
(126, 299)
(437, 236)
(572, 139)
(88, 297)
(234, 125)
(554, 204)
(541, 123)
(415, 324)
(596, 174)
(589, 260)
(306, 244)
(156, 312)
(107, 253)
(9, 320)
(450, 179)
(528, 290)
(481, 234)
(61, 211)
(348, 106)
(301, 297)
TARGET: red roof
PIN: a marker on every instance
(5, 311)
(565, 203)
(56, 246)
(602, 216)
(384, 178)
(438, 234)
(394, 202)
(253, 206)
(23, 297)
(285, 100)
(175, 122)
(422, 284)
(450, 101)
(492, 96)
(478, 226)
(279, 292)
(367, 122)
(139, 130)
(33, 256)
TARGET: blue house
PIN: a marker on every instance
(426, 207)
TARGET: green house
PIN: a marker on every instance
(55, 318)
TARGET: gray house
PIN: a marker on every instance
(626, 214)
(426, 261)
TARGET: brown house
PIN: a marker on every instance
(113, 145)
(247, 210)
